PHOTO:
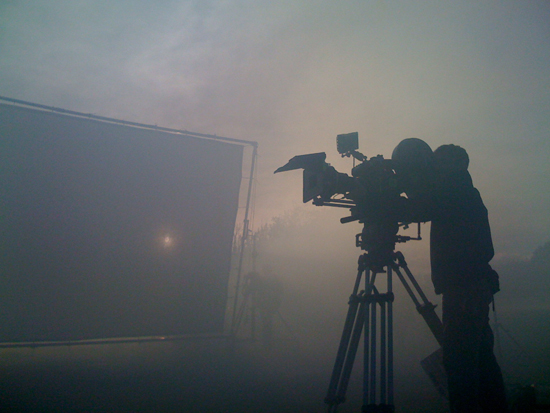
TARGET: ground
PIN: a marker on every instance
(210, 375)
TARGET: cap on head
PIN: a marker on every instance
(452, 158)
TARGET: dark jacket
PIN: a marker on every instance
(460, 239)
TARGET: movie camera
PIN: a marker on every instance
(373, 193)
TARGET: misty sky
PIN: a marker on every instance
(293, 74)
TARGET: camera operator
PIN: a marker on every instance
(439, 189)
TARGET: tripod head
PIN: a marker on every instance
(378, 239)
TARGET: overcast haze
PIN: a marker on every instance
(292, 75)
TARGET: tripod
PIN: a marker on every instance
(363, 315)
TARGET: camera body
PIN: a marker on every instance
(369, 191)
(373, 193)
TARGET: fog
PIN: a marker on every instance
(291, 76)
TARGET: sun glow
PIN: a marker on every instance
(168, 241)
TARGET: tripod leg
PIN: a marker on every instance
(383, 355)
(366, 355)
(331, 398)
(426, 309)
(372, 353)
(390, 339)
(352, 351)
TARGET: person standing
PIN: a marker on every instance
(440, 190)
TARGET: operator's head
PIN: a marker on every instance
(415, 164)
(451, 159)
